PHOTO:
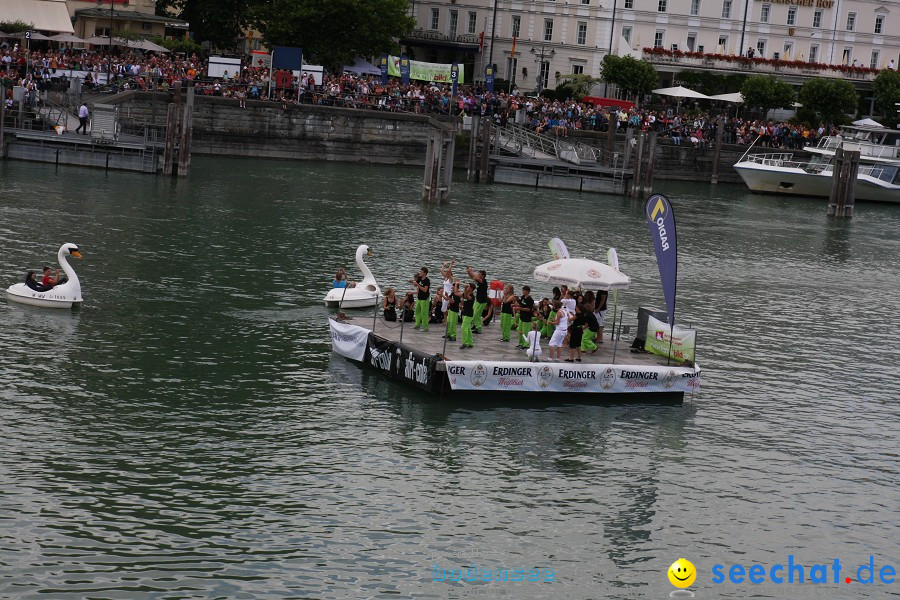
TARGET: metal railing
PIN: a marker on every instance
(519, 140)
(786, 160)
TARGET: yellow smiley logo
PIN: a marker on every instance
(682, 573)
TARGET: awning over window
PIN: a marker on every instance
(45, 15)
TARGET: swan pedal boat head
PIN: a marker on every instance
(364, 294)
(63, 295)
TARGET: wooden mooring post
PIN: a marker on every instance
(172, 121)
(472, 167)
(636, 180)
(843, 182)
(187, 127)
(439, 165)
(720, 125)
(651, 162)
(484, 167)
(2, 121)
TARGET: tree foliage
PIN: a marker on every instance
(630, 75)
(333, 32)
(575, 86)
(710, 83)
(832, 99)
(218, 22)
(766, 92)
(15, 26)
(887, 92)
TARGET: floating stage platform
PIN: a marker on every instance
(495, 370)
(125, 153)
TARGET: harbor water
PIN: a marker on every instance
(188, 433)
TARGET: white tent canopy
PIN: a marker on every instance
(361, 66)
(680, 92)
(44, 15)
(867, 122)
(147, 45)
(734, 97)
(582, 273)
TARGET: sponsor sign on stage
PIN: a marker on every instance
(658, 341)
(402, 362)
(570, 378)
(349, 340)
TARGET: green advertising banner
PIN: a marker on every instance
(657, 341)
(425, 71)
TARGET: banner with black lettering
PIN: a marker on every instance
(349, 340)
(401, 362)
(554, 377)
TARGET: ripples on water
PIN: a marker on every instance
(187, 433)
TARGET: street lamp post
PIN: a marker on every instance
(109, 49)
(539, 59)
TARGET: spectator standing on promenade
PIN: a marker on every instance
(83, 114)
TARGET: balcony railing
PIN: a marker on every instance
(756, 64)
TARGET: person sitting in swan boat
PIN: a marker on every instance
(48, 282)
(32, 283)
(340, 280)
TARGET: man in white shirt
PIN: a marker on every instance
(83, 114)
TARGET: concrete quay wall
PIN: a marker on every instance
(266, 130)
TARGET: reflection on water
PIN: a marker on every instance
(188, 431)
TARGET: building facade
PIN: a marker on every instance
(796, 39)
(95, 18)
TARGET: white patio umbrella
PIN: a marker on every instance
(67, 37)
(148, 45)
(99, 40)
(582, 273)
(734, 97)
(680, 92)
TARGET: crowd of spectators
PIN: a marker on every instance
(40, 69)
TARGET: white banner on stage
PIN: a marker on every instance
(349, 340)
(556, 377)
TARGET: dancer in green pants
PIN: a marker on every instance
(587, 338)
(453, 311)
(468, 305)
(481, 296)
(525, 309)
(506, 312)
(423, 304)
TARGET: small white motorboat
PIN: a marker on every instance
(63, 295)
(364, 294)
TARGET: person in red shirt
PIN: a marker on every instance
(47, 280)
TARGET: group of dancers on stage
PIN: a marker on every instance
(571, 318)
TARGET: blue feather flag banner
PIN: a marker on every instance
(661, 223)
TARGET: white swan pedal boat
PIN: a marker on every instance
(364, 294)
(63, 295)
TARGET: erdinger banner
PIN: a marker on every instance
(556, 377)
(401, 362)
(658, 342)
(349, 340)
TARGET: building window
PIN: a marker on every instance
(626, 34)
(879, 24)
(873, 64)
(848, 55)
(511, 65)
(545, 74)
(629, 3)
(516, 25)
(548, 30)
(454, 21)
(585, 1)
(761, 48)
(792, 16)
(813, 53)
(147, 26)
(695, 8)
(851, 21)
(577, 69)
(691, 42)
(788, 50)
(817, 18)
(658, 38)
(435, 18)
(581, 35)
(723, 43)
(726, 9)
(473, 23)
(661, 6)
(764, 13)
